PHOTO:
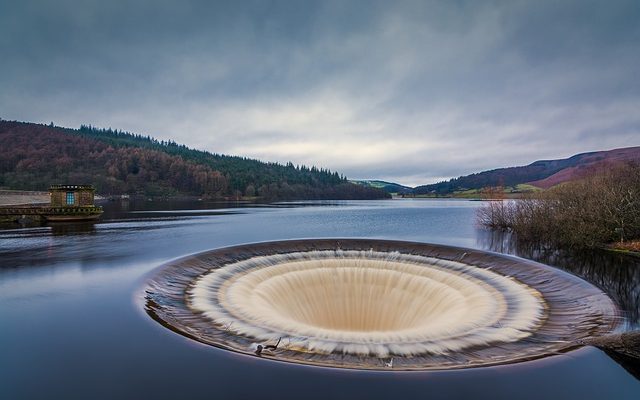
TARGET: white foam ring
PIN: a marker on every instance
(366, 303)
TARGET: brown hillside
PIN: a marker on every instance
(33, 156)
(36, 156)
(589, 164)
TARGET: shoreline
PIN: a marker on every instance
(631, 248)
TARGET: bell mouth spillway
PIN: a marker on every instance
(376, 304)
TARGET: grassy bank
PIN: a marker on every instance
(506, 192)
(632, 247)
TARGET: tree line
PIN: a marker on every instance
(240, 171)
(34, 156)
(510, 176)
(588, 213)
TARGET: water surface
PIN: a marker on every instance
(73, 326)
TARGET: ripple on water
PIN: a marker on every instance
(359, 303)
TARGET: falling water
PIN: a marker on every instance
(340, 303)
(365, 302)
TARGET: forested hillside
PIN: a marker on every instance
(389, 187)
(543, 173)
(33, 156)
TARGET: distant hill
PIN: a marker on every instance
(588, 163)
(388, 187)
(541, 174)
(34, 156)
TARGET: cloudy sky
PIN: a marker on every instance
(407, 91)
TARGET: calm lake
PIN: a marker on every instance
(72, 322)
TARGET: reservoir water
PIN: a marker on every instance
(72, 322)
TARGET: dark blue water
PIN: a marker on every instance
(72, 323)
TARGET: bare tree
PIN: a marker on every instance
(598, 210)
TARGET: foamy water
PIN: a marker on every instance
(365, 302)
(377, 304)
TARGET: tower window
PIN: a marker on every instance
(71, 198)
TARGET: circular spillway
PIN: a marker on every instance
(377, 304)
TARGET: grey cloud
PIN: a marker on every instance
(410, 91)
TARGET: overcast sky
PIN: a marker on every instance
(407, 91)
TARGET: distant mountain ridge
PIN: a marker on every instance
(388, 187)
(34, 156)
(589, 162)
(542, 174)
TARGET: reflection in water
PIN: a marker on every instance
(120, 208)
(68, 321)
(72, 228)
(624, 348)
(617, 274)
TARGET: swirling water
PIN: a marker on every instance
(72, 325)
(367, 303)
